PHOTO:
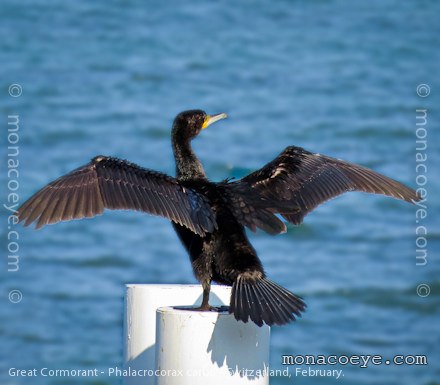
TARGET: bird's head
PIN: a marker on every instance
(188, 124)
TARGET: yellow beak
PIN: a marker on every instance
(212, 119)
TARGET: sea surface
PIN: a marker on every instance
(335, 77)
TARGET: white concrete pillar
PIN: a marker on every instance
(209, 348)
(141, 302)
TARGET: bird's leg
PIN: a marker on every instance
(205, 306)
(205, 302)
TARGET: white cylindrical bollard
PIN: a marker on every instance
(195, 347)
(141, 302)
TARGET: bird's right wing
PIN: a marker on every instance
(115, 184)
(296, 182)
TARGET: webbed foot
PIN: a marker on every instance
(210, 308)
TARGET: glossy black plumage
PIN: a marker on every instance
(112, 183)
(210, 218)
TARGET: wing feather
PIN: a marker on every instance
(297, 181)
(112, 183)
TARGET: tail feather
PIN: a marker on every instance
(264, 301)
(238, 298)
(268, 303)
(290, 300)
(281, 313)
(248, 298)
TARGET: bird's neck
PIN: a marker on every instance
(188, 166)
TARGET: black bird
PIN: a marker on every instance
(210, 218)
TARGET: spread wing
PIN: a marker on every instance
(296, 182)
(115, 184)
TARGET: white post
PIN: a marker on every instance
(215, 340)
(209, 348)
(141, 302)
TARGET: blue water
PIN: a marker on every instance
(332, 76)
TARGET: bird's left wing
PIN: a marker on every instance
(296, 182)
(115, 184)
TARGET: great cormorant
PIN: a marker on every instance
(210, 218)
